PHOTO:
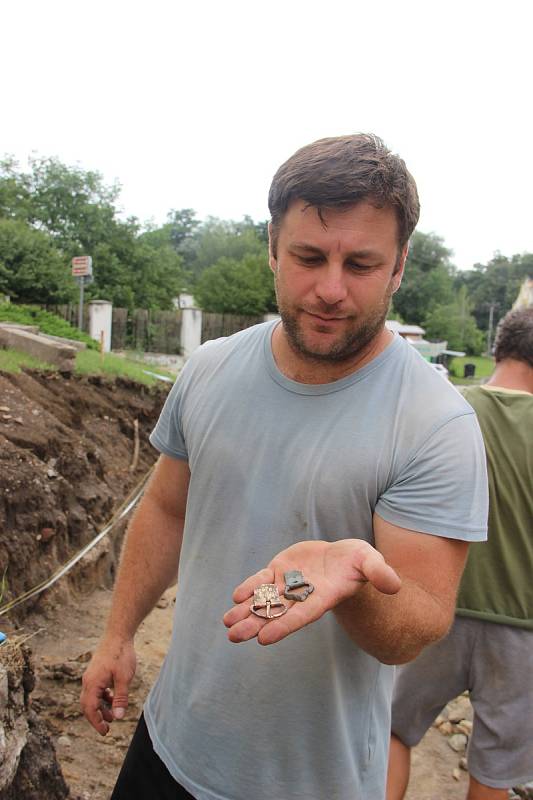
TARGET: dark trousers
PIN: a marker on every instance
(143, 775)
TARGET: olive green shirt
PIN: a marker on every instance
(497, 584)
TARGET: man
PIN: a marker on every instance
(329, 442)
(489, 648)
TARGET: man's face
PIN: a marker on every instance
(334, 279)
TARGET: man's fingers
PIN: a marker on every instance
(120, 697)
(375, 569)
(246, 588)
(246, 629)
(298, 616)
(237, 614)
(93, 709)
(104, 695)
(243, 625)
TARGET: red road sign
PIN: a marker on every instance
(82, 265)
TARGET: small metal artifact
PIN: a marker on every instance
(294, 580)
(266, 598)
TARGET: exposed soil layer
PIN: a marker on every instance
(66, 448)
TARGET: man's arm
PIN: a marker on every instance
(395, 628)
(148, 565)
(392, 601)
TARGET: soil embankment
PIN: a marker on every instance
(71, 449)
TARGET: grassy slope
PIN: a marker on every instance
(87, 361)
(45, 321)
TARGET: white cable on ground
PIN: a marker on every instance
(123, 510)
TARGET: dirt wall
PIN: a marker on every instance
(66, 452)
(66, 447)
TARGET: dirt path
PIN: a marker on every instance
(68, 635)
(90, 763)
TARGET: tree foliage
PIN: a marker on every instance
(218, 238)
(454, 323)
(76, 214)
(237, 287)
(427, 280)
(31, 268)
(495, 284)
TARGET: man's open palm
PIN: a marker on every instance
(337, 570)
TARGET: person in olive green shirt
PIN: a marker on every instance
(489, 649)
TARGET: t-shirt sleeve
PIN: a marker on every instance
(167, 436)
(442, 489)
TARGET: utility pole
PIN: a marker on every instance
(489, 332)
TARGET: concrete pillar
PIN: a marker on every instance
(100, 319)
(191, 330)
(191, 324)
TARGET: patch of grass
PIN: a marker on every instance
(89, 362)
(484, 368)
(14, 360)
(46, 322)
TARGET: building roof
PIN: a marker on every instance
(404, 330)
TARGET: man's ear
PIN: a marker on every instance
(400, 266)
(272, 260)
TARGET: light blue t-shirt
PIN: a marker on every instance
(274, 462)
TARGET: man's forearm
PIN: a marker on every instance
(148, 565)
(394, 628)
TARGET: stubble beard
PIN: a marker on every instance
(353, 343)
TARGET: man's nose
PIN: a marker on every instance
(331, 284)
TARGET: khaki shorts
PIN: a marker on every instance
(495, 664)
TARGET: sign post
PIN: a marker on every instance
(82, 270)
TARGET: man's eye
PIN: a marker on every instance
(358, 267)
(310, 261)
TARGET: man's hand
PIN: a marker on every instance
(337, 570)
(104, 695)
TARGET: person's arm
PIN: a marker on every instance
(392, 601)
(396, 628)
(148, 565)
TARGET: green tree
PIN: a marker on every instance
(454, 323)
(157, 276)
(15, 195)
(177, 231)
(495, 284)
(77, 212)
(237, 287)
(216, 238)
(31, 267)
(428, 278)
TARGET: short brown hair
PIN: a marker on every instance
(340, 172)
(514, 336)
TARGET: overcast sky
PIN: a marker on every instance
(195, 104)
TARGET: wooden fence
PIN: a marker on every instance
(156, 331)
(216, 325)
